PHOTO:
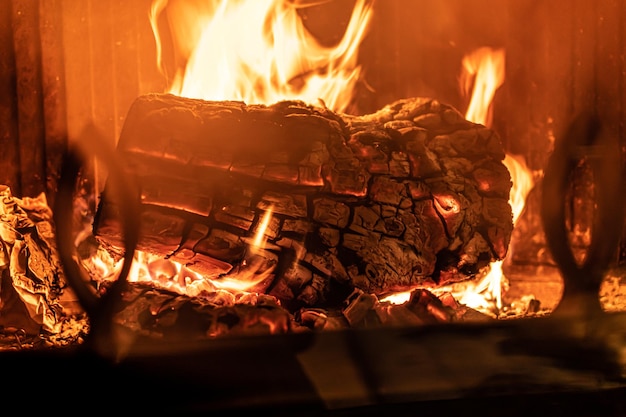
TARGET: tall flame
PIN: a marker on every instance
(484, 68)
(259, 52)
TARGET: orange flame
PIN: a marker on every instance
(484, 70)
(259, 239)
(259, 52)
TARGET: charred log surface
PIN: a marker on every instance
(411, 195)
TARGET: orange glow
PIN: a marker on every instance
(173, 276)
(397, 298)
(258, 52)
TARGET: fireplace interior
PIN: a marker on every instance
(86, 84)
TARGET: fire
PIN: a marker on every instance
(485, 68)
(483, 74)
(259, 52)
(259, 239)
(489, 289)
(173, 276)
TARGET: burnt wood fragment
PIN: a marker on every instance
(159, 313)
(381, 202)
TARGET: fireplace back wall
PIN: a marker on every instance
(71, 65)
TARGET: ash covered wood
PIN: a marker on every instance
(412, 195)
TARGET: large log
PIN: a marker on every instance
(412, 195)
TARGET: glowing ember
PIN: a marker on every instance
(447, 205)
(259, 52)
(173, 276)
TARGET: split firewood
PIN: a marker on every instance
(315, 202)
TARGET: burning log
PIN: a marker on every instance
(307, 204)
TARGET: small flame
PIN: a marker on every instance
(173, 276)
(259, 239)
(259, 52)
(484, 70)
(523, 182)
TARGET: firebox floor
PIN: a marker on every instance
(536, 366)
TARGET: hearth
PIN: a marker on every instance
(272, 255)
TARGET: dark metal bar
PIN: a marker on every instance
(27, 47)
(9, 143)
(53, 91)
